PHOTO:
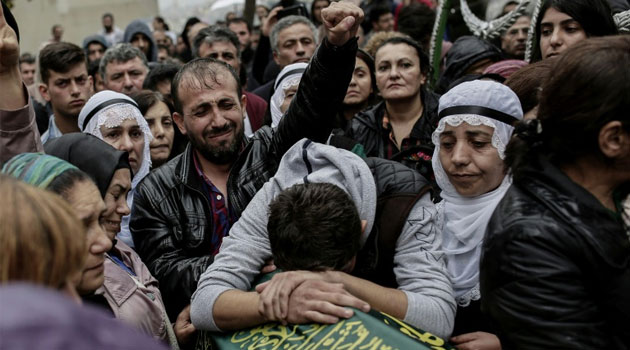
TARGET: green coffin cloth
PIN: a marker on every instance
(363, 331)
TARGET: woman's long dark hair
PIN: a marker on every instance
(147, 99)
(595, 17)
(589, 88)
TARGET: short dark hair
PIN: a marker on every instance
(159, 73)
(108, 14)
(595, 17)
(215, 34)
(60, 58)
(239, 20)
(27, 58)
(314, 226)
(161, 20)
(589, 87)
(425, 66)
(377, 11)
(147, 99)
(416, 20)
(526, 82)
(204, 71)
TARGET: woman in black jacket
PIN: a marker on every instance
(400, 127)
(555, 271)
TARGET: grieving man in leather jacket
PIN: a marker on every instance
(183, 209)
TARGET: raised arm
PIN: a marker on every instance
(324, 84)
(18, 129)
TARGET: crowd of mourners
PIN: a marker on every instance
(151, 177)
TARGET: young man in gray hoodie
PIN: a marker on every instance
(423, 296)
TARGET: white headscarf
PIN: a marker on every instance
(111, 109)
(289, 76)
(465, 219)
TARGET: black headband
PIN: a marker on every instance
(292, 71)
(483, 111)
(103, 105)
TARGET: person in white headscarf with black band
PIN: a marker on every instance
(475, 126)
(285, 87)
(116, 119)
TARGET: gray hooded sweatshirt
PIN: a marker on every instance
(419, 265)
(138, 26)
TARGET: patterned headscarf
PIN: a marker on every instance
(37, 169)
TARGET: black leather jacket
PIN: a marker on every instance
(555, 271)
(367, 129)
(171, 219)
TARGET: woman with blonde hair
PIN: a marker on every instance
(39, 227)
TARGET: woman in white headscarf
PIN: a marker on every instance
(116, 119)
(285, 87)
(475, 126)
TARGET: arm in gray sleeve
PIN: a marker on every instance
(420, 269)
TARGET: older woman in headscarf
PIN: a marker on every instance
(79, 191)
(141, 304)
(116, 119)
(126, 286)
(285, 87)
(475, 126)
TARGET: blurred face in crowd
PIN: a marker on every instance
(57, 33)
(108, 23)
(295, 44)
(398, 73)
(470, 161)
(318, 7)
(514, 40)
(288, 97)
(385, 23)
(99, 85)
(241, 31)
(161, 38)
(95, 51)
(86, 201)
(212, 117)
(116, 202)
(360, 86)
(28, 72)
(125, 77)
(194, 30)
(157, 25)
(68, 92)
(126, 137)
(159, 119)
(181, 45)
(221, 50)
(558, 32)
(261, 12)
(162, 54)
(142, 42)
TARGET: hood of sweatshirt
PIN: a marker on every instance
(138, 26)
(311, 162)
(96, 38)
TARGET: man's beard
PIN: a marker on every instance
(226, 152)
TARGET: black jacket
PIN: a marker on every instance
(171, 219)
(466, 51)
(555, 270)
(367, 129)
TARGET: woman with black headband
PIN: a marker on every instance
(116, 119)
(474, 129)
(555, 272)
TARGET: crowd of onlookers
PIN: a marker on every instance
(154, 176)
